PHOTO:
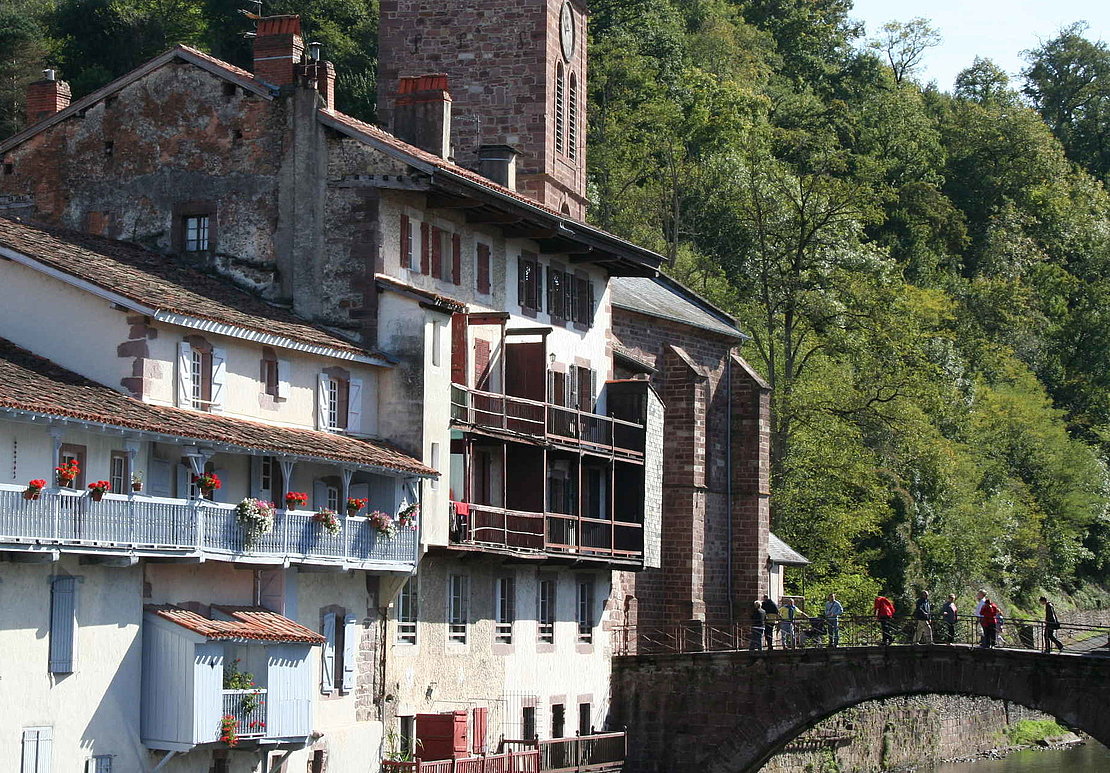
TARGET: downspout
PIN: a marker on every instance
(728, 486)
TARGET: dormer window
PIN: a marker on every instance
(196, 233)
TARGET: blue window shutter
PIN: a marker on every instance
(63, 624)
(327, 656)
(350, 651)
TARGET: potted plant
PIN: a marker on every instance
(229, 730)
(99, 489)
(295, 499)
(67, 471)
(407, 517)
(256, 516)
(384, 523)
(207, 483)
(354, 505)
(137, 481)
(34, 488)
(328, 520)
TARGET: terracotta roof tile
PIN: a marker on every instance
(161, 282)
(254, 623)
(30, 383)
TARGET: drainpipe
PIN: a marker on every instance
(728, 486)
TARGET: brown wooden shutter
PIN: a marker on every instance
(406, 240)
(425, 246)
(483, 269)
(437, 253)
(458, 349)
(456, 258)
(481, 364)
(521, 284)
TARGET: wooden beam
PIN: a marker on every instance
(492, 218)
(533, 232)
(447, 201)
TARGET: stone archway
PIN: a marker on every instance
(729, 712)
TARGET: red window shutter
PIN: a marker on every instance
(406, 240)
(483, 269)
(481, 364)
(437, 253)
(479, 724)
(425, 245)
(456, 258)
(458, 349)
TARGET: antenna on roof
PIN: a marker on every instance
(254, 16)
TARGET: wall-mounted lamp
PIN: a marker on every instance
(431, 689)
(314, 51)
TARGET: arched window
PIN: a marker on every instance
(572, 119)
(560, 117)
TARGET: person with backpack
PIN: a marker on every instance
(759, 622)
(772, 610)
(989, 616)
(884, 614)
(1051, 626)
(833, 611)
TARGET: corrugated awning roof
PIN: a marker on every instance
(251, 623)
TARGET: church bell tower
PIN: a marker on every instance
(517, 76)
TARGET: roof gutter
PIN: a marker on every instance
(189, 321)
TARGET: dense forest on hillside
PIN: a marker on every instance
(925, 275)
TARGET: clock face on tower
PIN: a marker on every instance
(566, 31)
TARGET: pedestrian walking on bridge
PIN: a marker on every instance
(1051, 626)
(788, 613)
(759, 622)
(922, 613)
(772, 610)
(833, 611)
(989, 615)
(949, 614)
(884, 613)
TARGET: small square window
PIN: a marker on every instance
(196, 233)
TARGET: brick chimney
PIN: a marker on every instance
(325, 82)
(278, 49)
(422, 113)
(46, 97)
(498, 163)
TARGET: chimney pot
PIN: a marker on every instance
(49, 74)
(498, 163)
(422, 113)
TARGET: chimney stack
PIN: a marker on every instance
(325, 83)
(498, 163)
(422, 113)
(278, 49)
(46, 97)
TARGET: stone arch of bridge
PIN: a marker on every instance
(729, 712)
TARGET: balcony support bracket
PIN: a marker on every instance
(163, 761)
(276, 766)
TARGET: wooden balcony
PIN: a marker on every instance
(554, 533)
(579, 754)
(151, 527)
(555, 424)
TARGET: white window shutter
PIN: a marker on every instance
(37, 750)
(283, 379)
(220, 494)
(323, 382)
(158, 479)
(354, 406)
(327, 656)
(350, 649)
(63, 624)
(184, 375)
(184, 480)
(320, 494)
(219, 377)
(256, 479)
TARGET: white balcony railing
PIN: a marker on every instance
(154, 526)
(249, 709)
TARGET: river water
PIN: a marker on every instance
(1090, 758)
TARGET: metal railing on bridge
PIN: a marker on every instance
(510, 762)
(856, 631)
(596, 752)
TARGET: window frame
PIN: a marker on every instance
(530, 284)
(408, 611)
(504, 609)
(458, 608)
(123, 459)
(195, 232)
(546, 613)
(584, 609)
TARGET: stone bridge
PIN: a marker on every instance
(729, 712)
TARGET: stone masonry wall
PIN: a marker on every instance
(693, 380)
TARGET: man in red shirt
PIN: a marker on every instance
(884, 613)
